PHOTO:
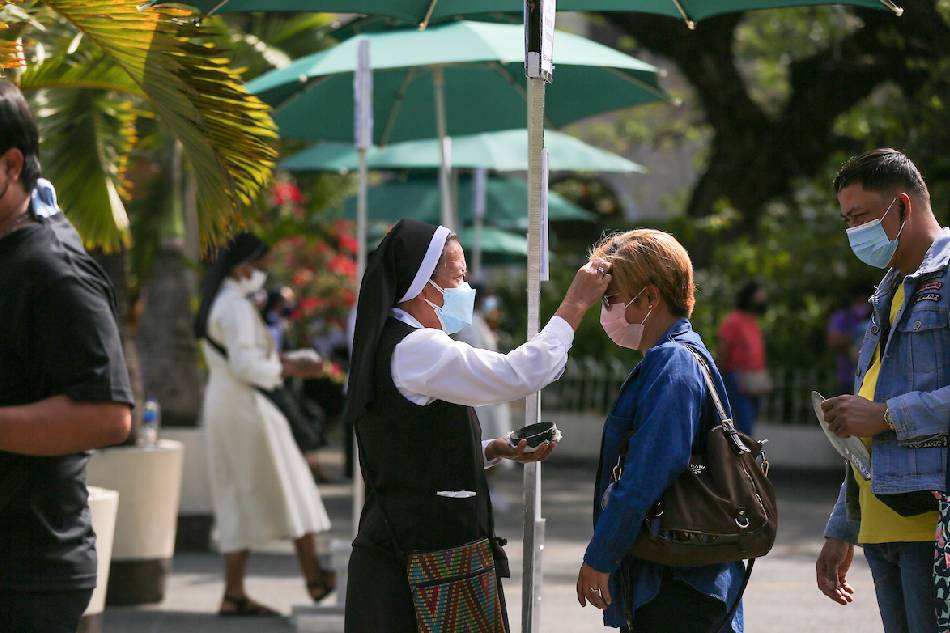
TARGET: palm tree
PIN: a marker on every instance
(115, 87)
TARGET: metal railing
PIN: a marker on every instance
(590, 385)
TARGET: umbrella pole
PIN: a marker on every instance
(533, 522)
(479, 192)
(363, 129)
(359, 492)
(445, 147)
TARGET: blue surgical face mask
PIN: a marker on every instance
(457, 306)
(871, 244)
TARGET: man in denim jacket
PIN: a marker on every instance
(902, 406)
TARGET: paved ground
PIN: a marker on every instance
(782, 596)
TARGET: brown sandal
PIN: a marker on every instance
(245, 607)
(323, 586)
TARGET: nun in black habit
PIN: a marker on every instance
(411, 395)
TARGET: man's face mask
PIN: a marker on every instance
(870, 243)
(458, 304)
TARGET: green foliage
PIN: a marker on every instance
(128, 62)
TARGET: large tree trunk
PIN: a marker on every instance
(166, 340)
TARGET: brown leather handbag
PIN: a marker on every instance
(720, 509)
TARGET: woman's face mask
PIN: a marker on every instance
(252, 284)
(870, 242)
(458, 304)
(614, 321)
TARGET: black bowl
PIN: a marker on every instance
(535, 434)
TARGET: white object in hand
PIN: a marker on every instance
(851, 448)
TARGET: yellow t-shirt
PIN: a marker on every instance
(880, 524)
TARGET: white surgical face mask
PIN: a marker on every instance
(870, 242)
(614, 321)
(253, 283)
(458, 304)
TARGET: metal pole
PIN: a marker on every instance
(539, 17)
(363, 129)
(533, 522)
(445, 146)
(359, 489)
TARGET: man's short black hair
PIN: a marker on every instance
(18, 129)
(883, 170)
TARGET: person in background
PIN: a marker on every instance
(495, 419)
(844, 328)
(741, 355)
(261, 487)
(64, 390)
(278, 306)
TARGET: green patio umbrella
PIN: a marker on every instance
(506, 150)
(497, 245)
(421, 11)
(505, 202)
(474, 66)
(453, 79)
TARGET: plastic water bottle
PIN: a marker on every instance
(151, 421)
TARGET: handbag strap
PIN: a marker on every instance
(728, 426)
(713, 391)
(724, 419)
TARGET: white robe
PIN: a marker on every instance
(261, 487)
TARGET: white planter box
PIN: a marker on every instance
(103, 506)
(148, 481)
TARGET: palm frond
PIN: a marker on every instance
(87, 137)
(226, 133)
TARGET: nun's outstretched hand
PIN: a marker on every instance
(501, 448)
(589, 285)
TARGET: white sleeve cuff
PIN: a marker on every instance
(488, 463)
(561, 330)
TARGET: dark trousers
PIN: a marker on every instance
(679, 608)
(42, 611)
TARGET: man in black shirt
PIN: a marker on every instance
(64, 390)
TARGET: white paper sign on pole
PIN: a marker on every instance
(363, 96)
(479, 184)
(544, 216)
(539, 22)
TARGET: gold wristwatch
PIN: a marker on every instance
(888, 421)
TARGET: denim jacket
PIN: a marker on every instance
(666, 404)
(914, 382)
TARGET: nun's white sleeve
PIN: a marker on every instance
(428, 365)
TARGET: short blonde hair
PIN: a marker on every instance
(646, 256)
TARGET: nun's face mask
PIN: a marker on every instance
(455, 314)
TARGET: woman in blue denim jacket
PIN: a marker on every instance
(667, 407)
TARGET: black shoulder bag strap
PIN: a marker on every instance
(304, 434)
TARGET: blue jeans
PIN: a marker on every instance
(745, 409)
(903, 582)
